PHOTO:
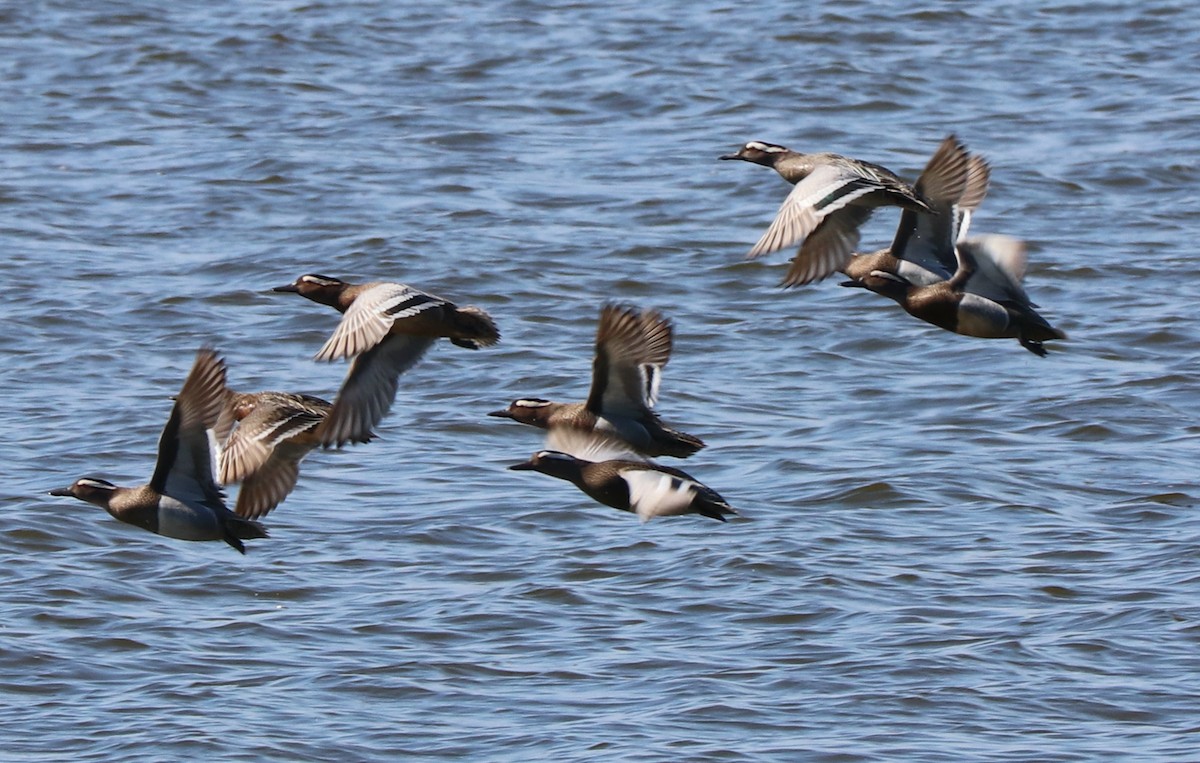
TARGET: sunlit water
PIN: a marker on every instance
(951, 549)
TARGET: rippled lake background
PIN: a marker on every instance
(951, 549)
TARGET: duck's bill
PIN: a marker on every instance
(501, 414)
(524, 466)
(287, 287)
(61, 491)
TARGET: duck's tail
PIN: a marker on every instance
(472, 327)
(238, 529)
(671, 442)
(713, 509)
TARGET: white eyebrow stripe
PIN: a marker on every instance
(769, 148)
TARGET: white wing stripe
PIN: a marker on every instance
(653, 378)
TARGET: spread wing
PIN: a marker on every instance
(590, 446)
(829, 247)
(226, 421)
(187, 447)
(272, 423)
(825, 190)
(632, 347)
(275, 478)
(979, 176)
(369, 389)
(996, 266)
(370, 317)
(927, 240)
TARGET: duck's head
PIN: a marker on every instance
(758, 152)
(318, 288)
(552, 462)
(881, 282)
(88, 489)
(527, 410)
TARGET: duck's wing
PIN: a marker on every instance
(658, 334)
(829, 248)
(995, 265)
(369, 389)
(590, 445)
(927, 240)
(226, 421)
(632, 346)
(187, 447)
(660, 491)
(827, 189)
(979, 177)
(271, 423)
(370, 317)
(275, 478)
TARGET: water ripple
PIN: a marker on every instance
(949, 550)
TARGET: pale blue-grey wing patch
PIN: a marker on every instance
(369, 389)
(825, 190)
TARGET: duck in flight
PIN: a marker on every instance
(182, 499)
(386, 328)
(632, 347)
(832, 198)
